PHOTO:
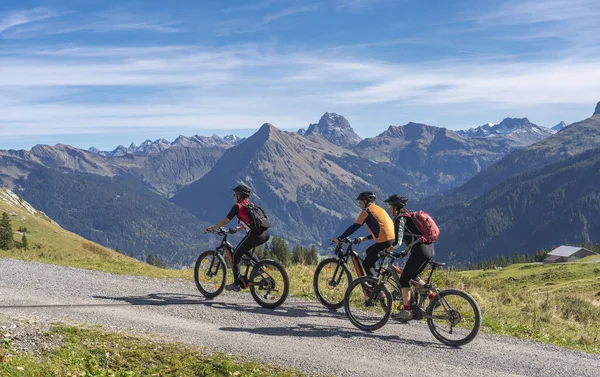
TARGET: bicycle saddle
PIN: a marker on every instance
(436, 264)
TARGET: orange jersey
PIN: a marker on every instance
(379, 223)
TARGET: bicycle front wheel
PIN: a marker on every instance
(210, 274)
(454, 317)
(330, 282)
(269, 284)
(368, 305)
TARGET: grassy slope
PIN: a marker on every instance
(558, 304)
(49, 243)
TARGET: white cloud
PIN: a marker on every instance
(16, 18)
(573, 21)
(85, 89)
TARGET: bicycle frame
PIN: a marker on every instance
(419, 292)
(226, 250)
(349, 254)
(343, 257)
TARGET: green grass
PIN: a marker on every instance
(556, 303)
(92, 352)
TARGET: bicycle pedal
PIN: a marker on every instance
(417, 314)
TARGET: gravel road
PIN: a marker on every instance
(300, 334)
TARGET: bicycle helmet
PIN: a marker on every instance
(397, 200)
(242, 189)
(367, 195)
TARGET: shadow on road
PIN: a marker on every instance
(290, 309)
(322, 331)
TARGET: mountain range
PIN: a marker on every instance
(540, 196)
(157, 197)
(149, 147)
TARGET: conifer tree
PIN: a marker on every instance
(6, 233)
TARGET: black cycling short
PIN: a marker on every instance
(420, 254)
(252, 239)
(372, 256)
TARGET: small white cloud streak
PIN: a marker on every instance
(17, 18)
(106, 22)
(245, 25)
(290, 11)
(540, 11)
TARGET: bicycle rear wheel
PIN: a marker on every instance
(269, 284)
(368, 305)
(330, 282)
(210, 274)
(454, 317)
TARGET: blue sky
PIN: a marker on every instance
(103, 72)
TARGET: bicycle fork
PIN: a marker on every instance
(334, 282)
(210, 273)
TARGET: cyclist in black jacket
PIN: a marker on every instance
(241, 194)
(420, 254)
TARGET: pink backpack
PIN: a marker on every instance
(425, 224)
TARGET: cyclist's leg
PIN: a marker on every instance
(428, 252)
(262, 239)
(245, 245)
(416, 263)
(372, 256)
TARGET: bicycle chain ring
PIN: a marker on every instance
(454, 317)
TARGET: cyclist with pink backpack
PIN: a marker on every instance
(418, 231)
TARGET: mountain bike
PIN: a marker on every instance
(333, 276)
(453, 316)
(267, 280)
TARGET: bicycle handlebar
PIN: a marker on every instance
(347, 241)
(223, 232)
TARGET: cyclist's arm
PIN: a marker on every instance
(399, 225)
(221, 223)
(232, 213)
(354, 227)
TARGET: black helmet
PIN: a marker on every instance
(397, 200)
(242, 189)
(367, 195)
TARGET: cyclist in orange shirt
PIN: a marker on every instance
(379, 225)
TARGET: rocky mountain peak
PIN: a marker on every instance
(410, 130)
(336, 129)
(519, 131)
(559, 126)
(268, 129)
(597, 111)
